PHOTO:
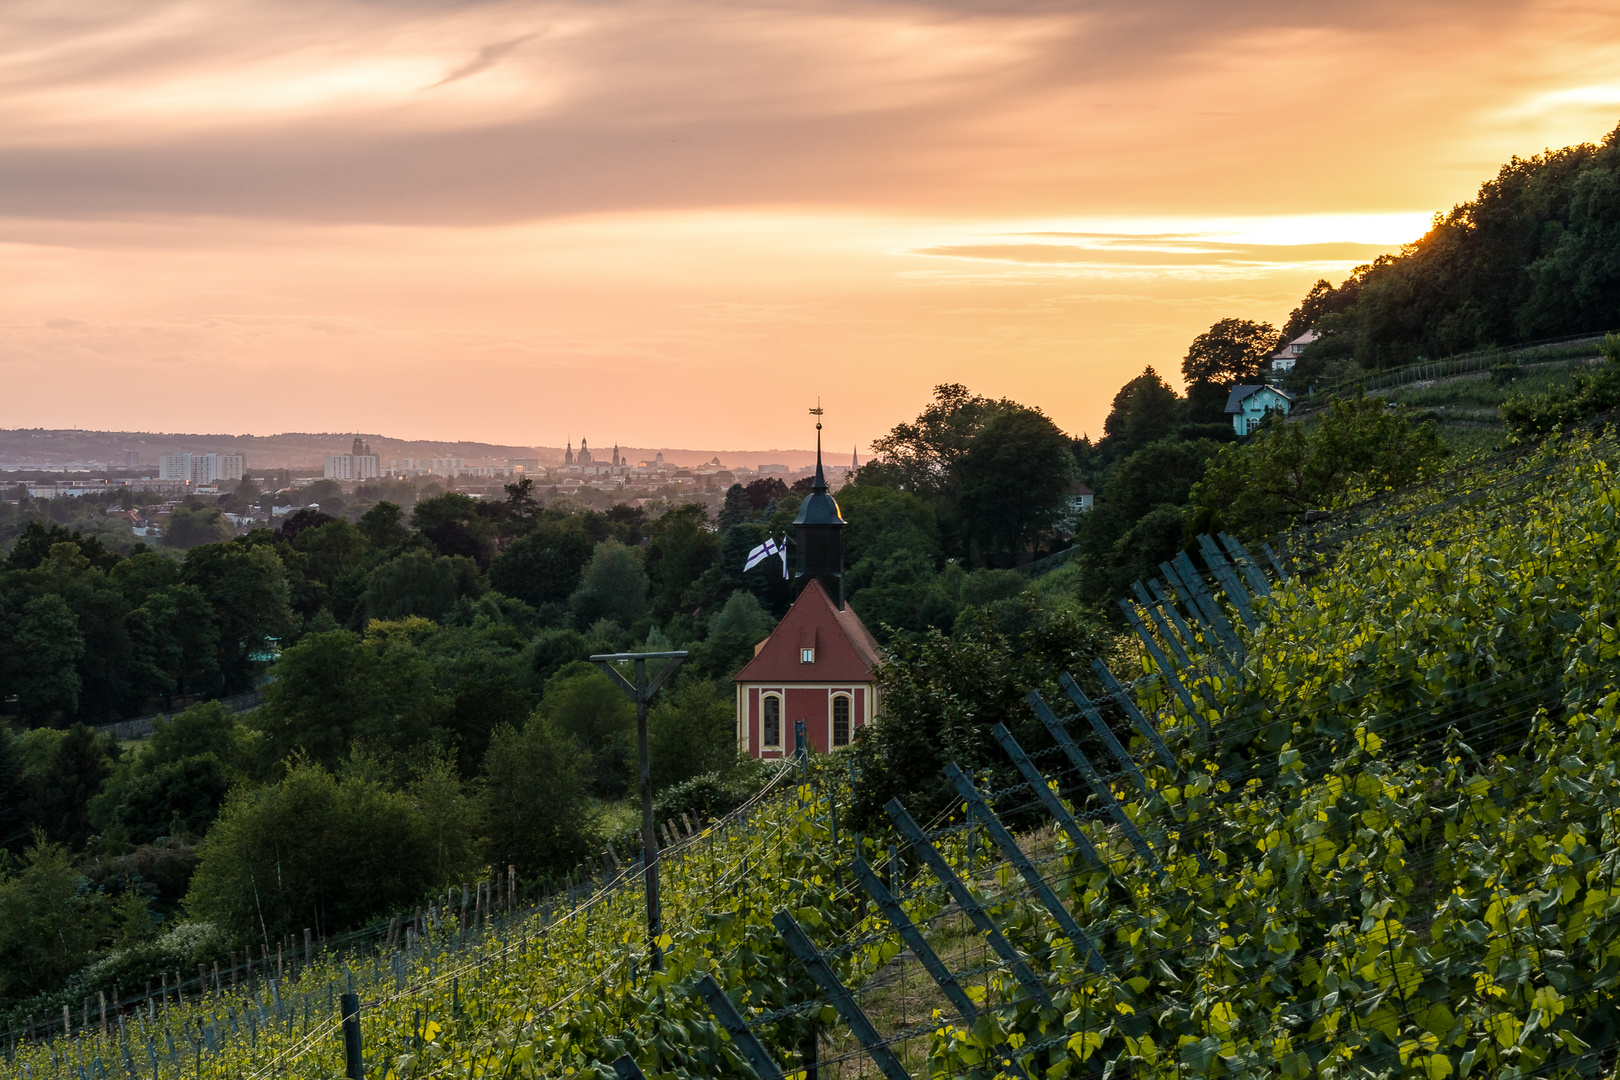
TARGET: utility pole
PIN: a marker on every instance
(641, 692)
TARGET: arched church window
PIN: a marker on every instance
(771, 723)
(840, 720)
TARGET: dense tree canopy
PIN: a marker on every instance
(315, 850)
(1535, 254)
(1144, 410)
(1015, 481)
(995, 473)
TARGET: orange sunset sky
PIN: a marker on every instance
(679, 223)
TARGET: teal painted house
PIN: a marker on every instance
(1248, 405)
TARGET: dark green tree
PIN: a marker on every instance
(383, 526)
(680, 548)
(63, 773)
(189, 526)
(736, 509)
(613, 586)
(692, 730)
(1015, 484)
(418, 583)
(733, 631)
(242, 497)
(545, 566)
(138, 576)
(521, 505)
(246, 585)
(1144, 410)
(51, 923)
(334, 691)
(42, 657)
(900, 592)
(452, 524)
(314, 850)
(882, 521)
(176, 642)
(942, 695)
(1321, 301)
(552, 650)
(1532, 256)
(33, 546)
(585, 707)
(1229, 352)
(332, 550)
(535, 809)
(13, 792)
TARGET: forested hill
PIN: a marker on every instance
(1535, 255)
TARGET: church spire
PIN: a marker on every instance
(820, 482)
(819, 532)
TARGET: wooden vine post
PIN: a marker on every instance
(641, 692)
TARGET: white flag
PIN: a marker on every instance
(769, 548)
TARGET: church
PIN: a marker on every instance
(820, 663)
(586, 463)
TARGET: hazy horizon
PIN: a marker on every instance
(21, 446)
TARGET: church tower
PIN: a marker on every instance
(568, 455)
(819, 532)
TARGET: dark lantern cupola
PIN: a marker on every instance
(819, 534)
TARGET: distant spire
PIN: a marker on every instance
(854, 458)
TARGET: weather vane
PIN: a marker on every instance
(816, 412)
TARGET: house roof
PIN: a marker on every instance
(1283, 351)
(1234, 401)
(845, 648)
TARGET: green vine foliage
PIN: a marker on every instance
(1408, 815)
(537, 996)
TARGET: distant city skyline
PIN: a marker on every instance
(122, 450)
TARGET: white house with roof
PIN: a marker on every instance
(1248, 405)
(1288, 355)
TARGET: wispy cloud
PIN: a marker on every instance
(487, 57)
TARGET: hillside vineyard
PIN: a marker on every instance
(1382, 839)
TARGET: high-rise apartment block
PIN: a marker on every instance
(201, 468)
(358, 464)
(422, 466)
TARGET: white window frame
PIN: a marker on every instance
(807, 656)
(781, 707)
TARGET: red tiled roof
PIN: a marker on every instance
(845, 649)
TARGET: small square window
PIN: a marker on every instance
(807, 656)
